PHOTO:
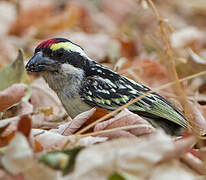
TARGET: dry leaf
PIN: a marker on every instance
(28, 18)
(24, 108)
(173, 170)
(43, 97)
(182, 145)
(24, 125)
(119, 10)
(76, 123)
(7, 51)
(125, 118)
(7, 16)
(4, 175)
(12, 125)
(95, 45)
(147, 72)
(89, 140)
(199, 120)
(19, 159)
(11, 96)
(134, 157)
(50, 140)
(4, 140)
(18, 152)
(195, 57)
(47, 111)
(195, 163)
(38, 120)
(186, 36)
(37, 146)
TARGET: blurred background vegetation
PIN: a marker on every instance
(124, 31)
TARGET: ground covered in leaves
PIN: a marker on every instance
(161, 44)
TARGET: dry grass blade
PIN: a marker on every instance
(114, 129)
(172, 68)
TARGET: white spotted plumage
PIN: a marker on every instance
(82, 83)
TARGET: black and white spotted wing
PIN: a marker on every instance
(112, 90)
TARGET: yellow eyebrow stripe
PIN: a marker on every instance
(64, 45)
(69, 47)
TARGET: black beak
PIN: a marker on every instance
(39, 63)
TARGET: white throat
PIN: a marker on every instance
(67, 81)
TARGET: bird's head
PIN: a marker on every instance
(52, 54)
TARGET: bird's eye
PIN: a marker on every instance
(58, 53)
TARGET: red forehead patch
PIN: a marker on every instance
(47, 43)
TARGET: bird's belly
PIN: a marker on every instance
(73, 105)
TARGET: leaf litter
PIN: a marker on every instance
(34, 128)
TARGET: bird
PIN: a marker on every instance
(82, 83)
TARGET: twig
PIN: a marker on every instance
(114, 129)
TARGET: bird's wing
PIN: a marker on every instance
(110, 95)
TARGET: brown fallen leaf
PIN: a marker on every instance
(130, 48)
(24, 125)
(19, 158)
(4, 140)
(119, 10)
(38, 120)
(11, 96)
(20, 123)
(200, 153)
(146, 71)
(182, 145)
(173, 170)
(42, 97)
(185, 36)
(5, 22)
(95, 45)
(4, 175)
(37, 146)
(24, 108)
(51, 140)
(30, 18)
(99, 113)
(136, 156)
(47, 111)
(18, 151)
(3, 127)
(12, 125)
(76, 123)
(199, 122)
(7, 52)
(82, 120)
(195, 163)
(125, 118)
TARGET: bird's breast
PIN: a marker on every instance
(67, 89)
(73, 105)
